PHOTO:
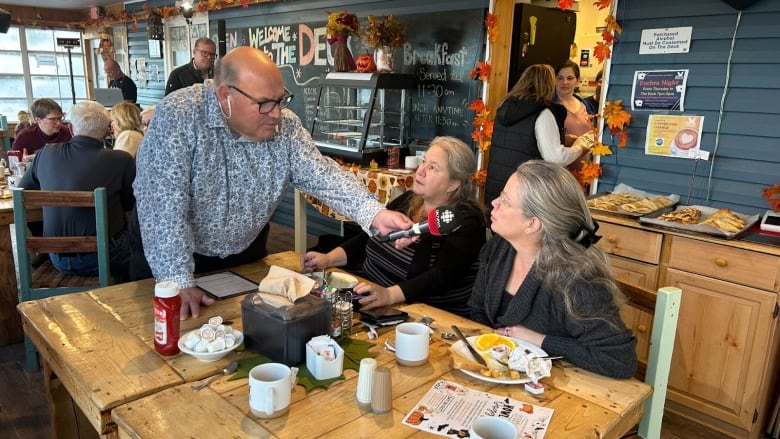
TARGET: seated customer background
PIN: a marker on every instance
(127, 126)
(146, 118)
(25, 120)
(83, 165)
(48, 127)
(437, 270)
(542, 280)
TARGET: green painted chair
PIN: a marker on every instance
(46, 281)
(665, 307)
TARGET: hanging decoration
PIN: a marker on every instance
(154, 26)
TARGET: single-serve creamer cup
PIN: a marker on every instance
(411, 343)
(491, 427)
(270, 389)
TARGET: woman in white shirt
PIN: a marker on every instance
(528, 126)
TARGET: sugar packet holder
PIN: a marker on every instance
(324, 357)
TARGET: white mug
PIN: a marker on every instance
(411, 162)
(491, 427)
(12, 181)
(411, 344)
(270, 389)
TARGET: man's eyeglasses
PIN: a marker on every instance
(207, 54)
(55, 119)
(265, 107)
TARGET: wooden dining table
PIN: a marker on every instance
(101, 369)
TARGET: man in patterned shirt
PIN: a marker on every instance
(218, 161)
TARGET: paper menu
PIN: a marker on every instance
(449, 409)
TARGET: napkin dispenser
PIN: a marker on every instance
(281, 332)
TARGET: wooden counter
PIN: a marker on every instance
(725, 362)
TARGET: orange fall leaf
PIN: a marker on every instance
(477, 105)
(590, 171)
(771, 192)
(600, 149)
(565, 4)
(608, 37)
(602, 51)
(612, 25)
(602, 4)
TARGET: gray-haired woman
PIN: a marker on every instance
(542, 280)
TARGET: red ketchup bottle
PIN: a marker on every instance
(167, 304)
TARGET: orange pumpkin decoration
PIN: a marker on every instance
(365, 63)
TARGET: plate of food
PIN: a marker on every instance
(709, 220)
(627, 201)
(508, 359)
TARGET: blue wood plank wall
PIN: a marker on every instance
(748, 146)
(149, 92)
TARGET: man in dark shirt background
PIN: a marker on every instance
(120, 80)
(200, 68)
(82, 164)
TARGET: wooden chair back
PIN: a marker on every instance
(664, 304)
(40, 283)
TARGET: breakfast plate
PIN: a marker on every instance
(460, 348)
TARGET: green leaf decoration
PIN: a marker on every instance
(354, 351)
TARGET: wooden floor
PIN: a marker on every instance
(24, 412)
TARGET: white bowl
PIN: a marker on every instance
(341, 281)
(209, 356)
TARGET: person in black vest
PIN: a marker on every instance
(527, 126)
(120, 80)
(200, 68)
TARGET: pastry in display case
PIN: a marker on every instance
(360, 115)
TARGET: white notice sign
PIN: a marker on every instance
(666, 40)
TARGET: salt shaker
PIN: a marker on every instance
(381, 391)
(365, 380)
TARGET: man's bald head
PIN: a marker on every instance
(241, 61)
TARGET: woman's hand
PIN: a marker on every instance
(375, 296)
(522, 333)
(314, 261)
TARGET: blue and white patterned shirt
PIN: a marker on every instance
(200, 190)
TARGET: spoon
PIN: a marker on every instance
(426, 320)
(230, 368)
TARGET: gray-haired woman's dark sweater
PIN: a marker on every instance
(603, 345)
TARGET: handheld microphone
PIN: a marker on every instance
(441, 221)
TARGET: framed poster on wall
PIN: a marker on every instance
(155, 49)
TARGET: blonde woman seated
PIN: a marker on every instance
(437, 270)
(126, 124)
(542, 280)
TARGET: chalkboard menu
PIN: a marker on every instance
(441, 50)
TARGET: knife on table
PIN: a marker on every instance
(473, 351)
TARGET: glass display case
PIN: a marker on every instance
(360, 115)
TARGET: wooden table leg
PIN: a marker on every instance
(67, 419)
(10, 322)
(300, 221)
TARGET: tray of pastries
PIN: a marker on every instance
(627, 201)
(709, 220)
